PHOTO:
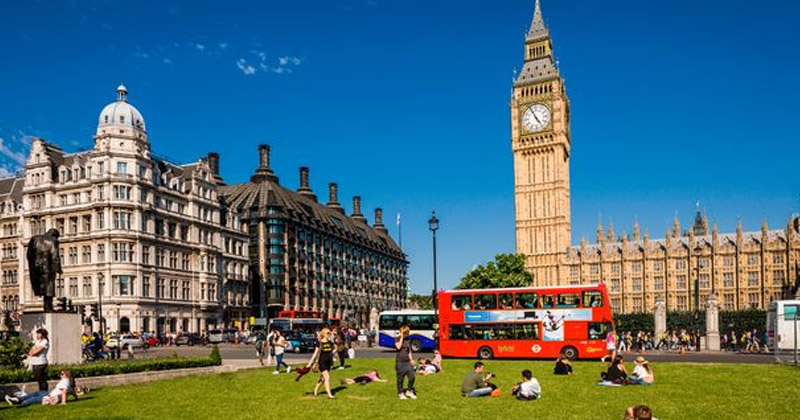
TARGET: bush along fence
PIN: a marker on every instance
(738, 321)
(86, 370)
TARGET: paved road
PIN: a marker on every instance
(243, 352)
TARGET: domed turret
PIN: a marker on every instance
(121, 118)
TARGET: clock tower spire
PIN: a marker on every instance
(540, 141)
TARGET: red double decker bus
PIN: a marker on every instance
(526, 322)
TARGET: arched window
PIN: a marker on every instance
(124, 325)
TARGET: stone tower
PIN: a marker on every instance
(540, 140)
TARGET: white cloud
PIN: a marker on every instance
(14, 156)
(200, 47)
(283, 61)
(141, 54)
(223, 45)
(5, 172)
(167, 61)
(244, 67)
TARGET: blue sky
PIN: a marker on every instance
(406, 103)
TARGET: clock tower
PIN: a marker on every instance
(540, 140)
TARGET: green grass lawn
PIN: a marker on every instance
(683, 391)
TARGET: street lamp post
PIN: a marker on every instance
(433, 225)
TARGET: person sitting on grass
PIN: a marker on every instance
(616, 373)
(425, 367)
(563, 366)
(642, 373)
(437, 360)
(371, 376)
(639, 412)
(475, 384)
(58, 395)
(529, 389)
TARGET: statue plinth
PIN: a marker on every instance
(712, 324)
(64, 330)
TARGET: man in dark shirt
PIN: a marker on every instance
(475, 384)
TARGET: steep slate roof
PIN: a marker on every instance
(683, 241)
(248, 196)
(11, 188)
(542, 68)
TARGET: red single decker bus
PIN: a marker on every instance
(526, 322)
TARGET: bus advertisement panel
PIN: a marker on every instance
(531, 322)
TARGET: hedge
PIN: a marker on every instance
(739, 321)
(86, 370)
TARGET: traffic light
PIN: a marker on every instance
(62, 305)
(94, 312)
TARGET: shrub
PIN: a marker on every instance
(215, 357)
(112, 368)
(11, 352)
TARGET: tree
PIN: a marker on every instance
(507, 270)
(416, 301)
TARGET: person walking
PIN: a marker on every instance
(404, 364)
(269, 349)
(341, 347)
(279, 344)
(323, 356)
(260, 346)
(37, 358)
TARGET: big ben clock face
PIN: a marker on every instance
(536, 117)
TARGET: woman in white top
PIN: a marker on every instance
(57, 396)
(642, 373)
(37, 358)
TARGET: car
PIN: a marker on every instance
(300, 341)
(127, 341)
(189, 339)
(215, 336)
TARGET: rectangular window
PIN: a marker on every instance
(87, 287)
(778, 277)
(598, 330)
(101, 220)
(658, 265)
(615, 286)
(777, 258)
(658, 283)
(594, 269)
(704, 281)
(683, 303)
(592, 299)
(729, 303)
(506, 301)
(727, 279)
(486, 301)
(752, 299)
(526, 301)
(615, 268)
(122, 167)
(727, 261)
(636, 284)
(145, 286)
(548, 301)
(752, 259)
(636, 266)
(680, 283)
(752, 278)
(680, 264)
(101, 253)
(568, 300)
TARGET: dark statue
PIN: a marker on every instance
(44, 265)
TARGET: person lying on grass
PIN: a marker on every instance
(371, 376)
(527, 390)
(57, 396)
(425, 367)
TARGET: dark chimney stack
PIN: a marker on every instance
(357, 209)
(379, 221)
(305, 189)
(333, 197)
(263, 157)
(264, 172)
(213, 163)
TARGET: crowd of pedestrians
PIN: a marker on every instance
(682, 340)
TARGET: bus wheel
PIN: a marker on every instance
(485, 353)
(416, 345)
(570, 352)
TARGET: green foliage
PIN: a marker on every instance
(11, 352)
(634, 322)
(215, 357)
(507, 270)
(86, 370)
(420, 301)
(741, 321)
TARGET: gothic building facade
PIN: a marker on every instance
(743, 269)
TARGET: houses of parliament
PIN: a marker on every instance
(683, 268)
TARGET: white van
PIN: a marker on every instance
(215, 336)
(781, 324)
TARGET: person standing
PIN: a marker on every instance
(341, 347)
(37, 358)
(404, 364)
(259, 344)
(323, 355)
(269, 349)
(279, 344)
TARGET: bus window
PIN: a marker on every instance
(485, 332)
(526, 301)
(547, 301)
(598, 330)
(526, 331)
(461, 302)
(391, 322)
(506, 300)
(419, 322)
(504, 332)
(568, 301)
(457, 332)
(486, 301)
(592, 299)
